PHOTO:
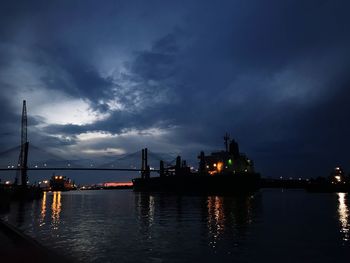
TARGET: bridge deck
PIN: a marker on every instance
(78, 169)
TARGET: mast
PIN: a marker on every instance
(226, 139)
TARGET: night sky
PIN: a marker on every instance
(105, 78)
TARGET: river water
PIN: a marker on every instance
(272, 225)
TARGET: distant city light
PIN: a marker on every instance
(114, 184)
(7, 182)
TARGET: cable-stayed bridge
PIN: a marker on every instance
(41, 159)
(32, 157)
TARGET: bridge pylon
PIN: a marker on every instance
(23, 156)
(145, 168)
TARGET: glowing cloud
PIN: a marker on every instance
(74, 111)
(86, 136)
(107, 151)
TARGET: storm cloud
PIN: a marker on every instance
(176, 75)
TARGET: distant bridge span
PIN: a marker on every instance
(80, 169)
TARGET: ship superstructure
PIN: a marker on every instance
(228, 162)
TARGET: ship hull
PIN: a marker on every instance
(193, 183)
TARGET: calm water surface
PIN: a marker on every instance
(123, 226)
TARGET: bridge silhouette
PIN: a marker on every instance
(34, 158)
(125, 162)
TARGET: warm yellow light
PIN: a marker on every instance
(60, 177)
(219, 166)
(338, 178)
(212, 172)
(56, 177)
(214, 164)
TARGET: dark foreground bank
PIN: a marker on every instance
(15, 246)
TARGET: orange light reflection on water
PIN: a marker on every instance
(43, 210)
(216, 218)
(56, 209)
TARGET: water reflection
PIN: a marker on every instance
(222, 222)
(228, 218)
(145, 208)
(56, 209)
(21, 213)
(43, 209)
(110, 226)
(216, 218)
(343, 212)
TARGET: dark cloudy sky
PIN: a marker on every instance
(111, 77)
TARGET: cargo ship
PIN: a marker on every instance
(61, 183)
(223, 172)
